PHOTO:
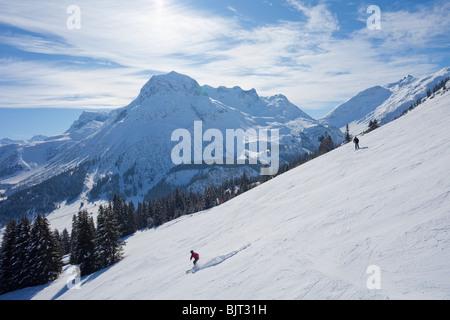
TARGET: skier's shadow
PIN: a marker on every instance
(362, 148)
(84, 280)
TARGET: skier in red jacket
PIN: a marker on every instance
(195, 256)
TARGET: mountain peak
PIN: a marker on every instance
(170, 83)
(174, 76)
(402, 82)
(88, 117)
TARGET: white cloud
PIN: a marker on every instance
(303, 59)
(406, 29)
(319, 17)
(232, 9)
(32, 84)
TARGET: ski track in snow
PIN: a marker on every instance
(217, 260)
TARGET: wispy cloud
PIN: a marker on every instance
(28, 84)
(232, 9)
(307, 58)
(406, 29)
(319, 17)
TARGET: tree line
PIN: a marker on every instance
(155, 212)
(31, 254)
(430, 92)
(45, 196)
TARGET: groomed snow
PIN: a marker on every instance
(311, 233)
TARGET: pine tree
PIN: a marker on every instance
(208, 198)
(65, 241)
(348, 137)
(159, 216)
(45, 255)
(83, 250)
(119, 206)
(57, 237)
(179, 203)
(244, 184)
(140, 216)
(109, 248)
(73, 256)
(130, 219)
(7, 268)
(22, 253)
(189, 204)
(149, 214)
(326, 144)
(55, 256)
(373, 124)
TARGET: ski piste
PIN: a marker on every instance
(309, 248)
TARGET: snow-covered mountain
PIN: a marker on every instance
(19, 158)
(371, 224)
(383, 103)
(6, 141)
(128, 151)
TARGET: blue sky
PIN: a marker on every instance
(317, 53)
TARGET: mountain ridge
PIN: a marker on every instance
(386, 103)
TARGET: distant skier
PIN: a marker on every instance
(195, 256)
(356, 142)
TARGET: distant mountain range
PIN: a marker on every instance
(128, 150)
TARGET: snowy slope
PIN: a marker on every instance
(310, 233)
(383, 103)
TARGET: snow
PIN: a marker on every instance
(30, 159)
(311, 233)
(383, 103)
(358, 107)
(61, 218)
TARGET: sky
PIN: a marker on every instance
(81, 54)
